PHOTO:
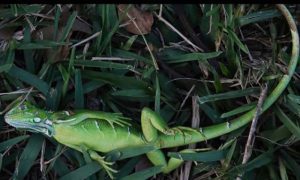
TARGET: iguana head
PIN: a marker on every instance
(24, 115)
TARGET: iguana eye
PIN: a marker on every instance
(36, 120)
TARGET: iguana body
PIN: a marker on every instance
(101, 136)
(97, 135)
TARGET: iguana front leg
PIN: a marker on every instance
(151, 123)
(72, 118)
(106, 165)
(96, 157)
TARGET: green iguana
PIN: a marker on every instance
(95, 131)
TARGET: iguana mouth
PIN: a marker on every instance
(41, 127)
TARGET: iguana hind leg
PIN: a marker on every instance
(152, 123)
(157, 157)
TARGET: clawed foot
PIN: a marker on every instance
(106, 165)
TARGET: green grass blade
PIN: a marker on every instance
(57, 163)
(87, 87)
(110, 24)
(257, 162)
(56, 21)
(229, 155)
(39, 44)
(287, 122)
(14, 9)
(157, 95)
(65, 77)
(79, 98)
(1, 160)
(276, 134)
(294, 165)
(129, 43)
(103, 64)
(54, 97)
(61, 167)
(144, 174)
(116, 80)
(208, 156)
(9, 58)
(258, 16)
(192, 57)
(211, 113)
(237, 41)
(294, 98)
(91, 85)
(28, 54)
(8, 143)
(282, 169)
(293, 107)
(82, 172)
(134, 93)
(21, 10)
(217, 82)
(239, 110)
(213, 11)
(229, 95)
(130, 55)
(71, 60)
(128, 152)
(10, 158)
(29, 155)
(128, 167)
(68, 27)
(29, 78)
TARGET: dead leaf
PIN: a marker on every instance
(143, 19)
(52, 55)
(81, 26)
(46, 33)
(7, 33)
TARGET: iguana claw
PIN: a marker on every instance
(105, 165)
